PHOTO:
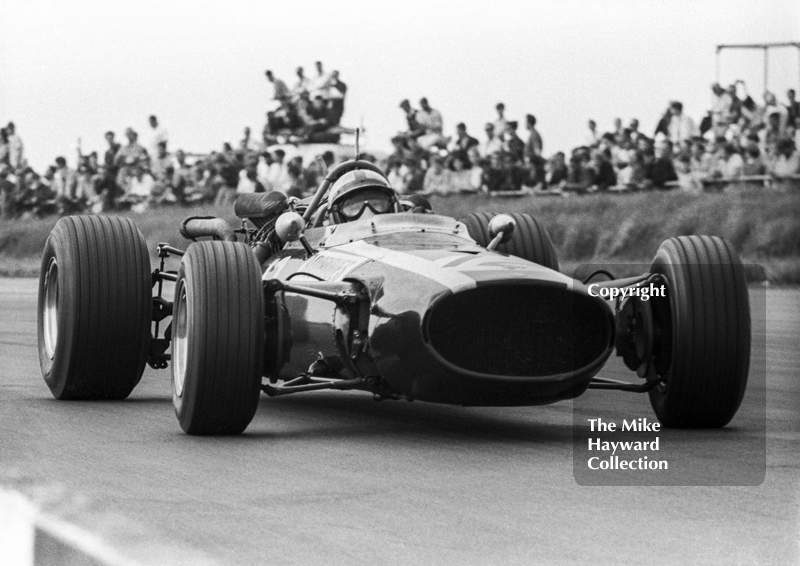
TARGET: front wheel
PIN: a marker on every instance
(217, 338)
(95, 308)
(703, 354)
(530, 240)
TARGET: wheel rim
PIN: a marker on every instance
(51, 309)
(180, 341)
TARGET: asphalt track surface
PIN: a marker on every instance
(336, 478)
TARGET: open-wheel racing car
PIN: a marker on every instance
(356, 289)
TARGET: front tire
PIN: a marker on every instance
(530, 240)
(217, 338)
(95, 308)
(704, 351)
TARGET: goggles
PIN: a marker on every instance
(353, 206)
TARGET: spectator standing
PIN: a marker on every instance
(320, 84)
(618, 130)
(431, 123)
(720, 105)
(680, 127)
(128, 157)
(500, 124)
(4, 149)
(279, 89)
(158, 134)
(792, 106)
(634, 132)
(336, 96)
(301, 85)
(65, 187)
(535, 145)
(16, 149)
(592, 137)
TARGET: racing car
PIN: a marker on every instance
(356, 288)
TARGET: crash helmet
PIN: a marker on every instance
(361, 194)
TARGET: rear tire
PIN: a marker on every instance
(217, 338)
(530, 240)
(95, 308)
(704, 350)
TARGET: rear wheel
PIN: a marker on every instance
(217, 338)
(530, 240)
(703, 353)
(95, 308)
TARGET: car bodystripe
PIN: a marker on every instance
(453, 280)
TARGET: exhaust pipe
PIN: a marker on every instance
(200, 226)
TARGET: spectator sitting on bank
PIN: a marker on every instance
(282, 122)
(437, 177)
(753, 164)
(491, 173)
(662, 171)
(414, 177)
(278, 175)
(581, 176)
(556, 172)
(733, 167)
(87, 186)
(604, 175)
(37, 198)
(493, 143)
(315, 117)
(417, 153)
(786, 165)
(398, 154)
(463, 141)
(792, 106)
(464, 178)
(248, 178)
(431, 124)
(16, 149)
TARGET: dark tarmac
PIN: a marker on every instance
(336, 478)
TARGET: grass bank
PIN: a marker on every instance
(598, 229)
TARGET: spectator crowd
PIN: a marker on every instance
(737, 141)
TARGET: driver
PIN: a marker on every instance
(361, 194)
